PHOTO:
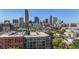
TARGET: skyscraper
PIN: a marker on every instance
(15, 21)
(46, 20)
(15, 24)
(55, 19)
(21, 21)
(26, 18)
(50, 21)
(36, 19)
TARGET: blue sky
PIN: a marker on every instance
(9, 14)
(67, 15)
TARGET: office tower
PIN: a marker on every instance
(55, 19)
(15, 24)
(59, 23)
(26, 18)
(36, 20)
(15, 21)
(36, 26)
(50, 21)
(30, 22)
(62, 21)
(21, 22)
(1, 27)
(46, 20)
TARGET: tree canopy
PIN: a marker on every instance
(74, 44)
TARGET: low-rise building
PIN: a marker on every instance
(11, 40)
(70, 35)
(37, 40)
(20, 40)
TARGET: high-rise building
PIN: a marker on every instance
(36, 20)
(15, 24)
(26, 18)
(30, 22)
(46, 20)
(1, 27)
(15, 21)
(55, 20)
(50, 21)
(21, 22)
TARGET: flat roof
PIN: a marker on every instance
(12, 34)
(22, 34)
(36, 34)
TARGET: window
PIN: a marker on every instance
(0, 46)
(43, 44)
(43, 41)
(16, 40)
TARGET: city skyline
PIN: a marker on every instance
(67, 15)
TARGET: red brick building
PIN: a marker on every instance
(12, 41)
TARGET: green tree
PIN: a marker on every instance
(75, 44)
(56, 42)
(51, 34)
(63, 45)
(61, 31)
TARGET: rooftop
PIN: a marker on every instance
(37, 34)
(11, 34)
(21, 34)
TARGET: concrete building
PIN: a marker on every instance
(15, 24)
(55, 19)
(1, 27)
(36, 26)
(7, 26)
(26, 18)
(59, 23)
(46, 20)
(50, 20)
(22, 40)
(36, 20)
(37, 40)
(21, 22)
(70, 35)
(71, 26)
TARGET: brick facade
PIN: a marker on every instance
(11, 42)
